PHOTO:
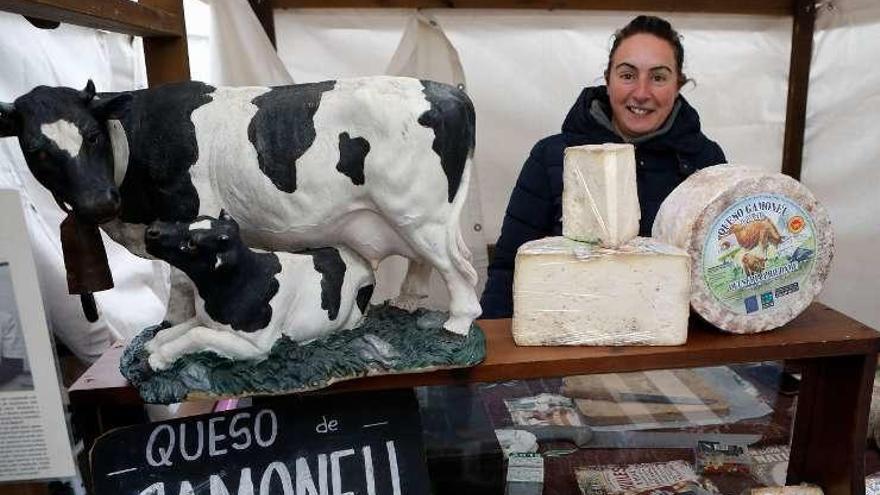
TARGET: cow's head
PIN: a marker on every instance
(198, 248)
(64, 139)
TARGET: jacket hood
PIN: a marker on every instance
(589, 121)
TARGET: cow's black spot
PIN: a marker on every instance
(330, 265)
(363, 297)
(240, 297)
(162, 148)
(452, 117)
(352, 153)
(283, 129)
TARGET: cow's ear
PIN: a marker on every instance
(105, 108)
(8, 122)
(87, 93)
(227, 218)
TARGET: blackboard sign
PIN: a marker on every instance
(346, 444)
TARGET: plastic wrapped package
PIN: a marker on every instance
(655, 478)
(600, 201)
(567, 292)
(719, 458)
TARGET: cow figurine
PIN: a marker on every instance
(378, 164)
(246, 300)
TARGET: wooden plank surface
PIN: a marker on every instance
(818, 332)
(122, 16)
(760, 7)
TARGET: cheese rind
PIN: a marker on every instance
(567, 292)
(600, 200)
(761, 245)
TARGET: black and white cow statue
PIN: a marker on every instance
(246, 300)
(378, 164)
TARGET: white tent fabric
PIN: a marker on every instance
(525, 68)
(425, 52)
(240, 52)
(69, 56)
(842, 150)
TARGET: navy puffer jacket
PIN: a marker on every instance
(663, 160)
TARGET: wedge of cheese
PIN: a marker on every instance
(760, 243)
(600, 202)
(567, 292)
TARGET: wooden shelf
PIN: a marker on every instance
(818, 332)
(837, 357)
(122, 16)
(758, 7)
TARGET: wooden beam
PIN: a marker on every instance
(121, 16)
(167, 59)
(761, 7)
(798, 87)
(264, 11)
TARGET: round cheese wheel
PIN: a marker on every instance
(760, 243)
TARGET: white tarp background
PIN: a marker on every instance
(69, 56)
(524, 69)
(425, 52)
(842, 150)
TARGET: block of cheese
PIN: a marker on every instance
(567, 292)
(761, 245)
(600, 202)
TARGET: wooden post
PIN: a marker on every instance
(167, 57)
(266, 16)
(831, 423)
(798, 86)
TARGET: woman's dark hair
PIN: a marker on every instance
(656, 26)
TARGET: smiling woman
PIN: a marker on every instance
(643, 83)
(641, 105)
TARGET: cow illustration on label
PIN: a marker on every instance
(754, 238)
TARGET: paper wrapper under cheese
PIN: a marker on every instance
(567, 292)
(761, 245)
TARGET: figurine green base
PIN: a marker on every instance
(390, 341)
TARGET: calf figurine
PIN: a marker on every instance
(246, 299)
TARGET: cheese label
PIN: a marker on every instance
(760, 250)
